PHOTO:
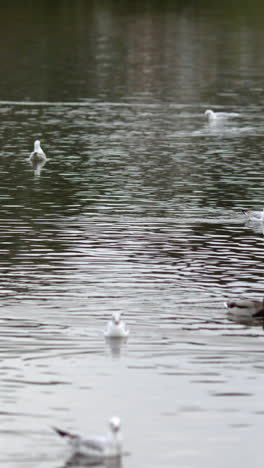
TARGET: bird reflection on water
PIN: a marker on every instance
(116, 347)
(247, 322)
(37, 166)
(81, 461)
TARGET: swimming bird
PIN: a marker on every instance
(255, 215)
(211, 115)
(214, 117)
(101, 447)
(219, 117)
(246, 308)
(38, 154)
(116, 328)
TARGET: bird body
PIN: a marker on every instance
(106, 446)
(211, 115)
(255, 215)
(116, 328)
(218, 117)
(38, 154)
(246, 308)
(37, 165)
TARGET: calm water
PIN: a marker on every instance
(138, 209)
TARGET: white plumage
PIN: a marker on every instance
(99, 447)
(38, 154)
(219, 117)
(255, 215)
(116, 328)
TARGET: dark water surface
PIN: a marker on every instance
(139, 209)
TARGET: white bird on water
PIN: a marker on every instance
(218, 117)
(100, 447)
(246, 308)
(38, 153)
(116, 328)
(255, 215)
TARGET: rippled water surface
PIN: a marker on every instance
(138, 209)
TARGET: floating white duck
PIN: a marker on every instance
(210, 115)
(99, 447)
(116, 328)
(38, 154)
(218, 117)
(246, 308)
(214, 116)
(255, 215)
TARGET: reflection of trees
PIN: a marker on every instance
(83, 49)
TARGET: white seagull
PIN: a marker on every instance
(100, 447)
(246, 308)
(38, 154)
(255, 215)
(116, 328)
(214, 117)
(218, 117)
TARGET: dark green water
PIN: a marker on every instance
(138, 208)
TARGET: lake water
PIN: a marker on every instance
(138, 209)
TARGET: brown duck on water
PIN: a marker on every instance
(250, 308)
